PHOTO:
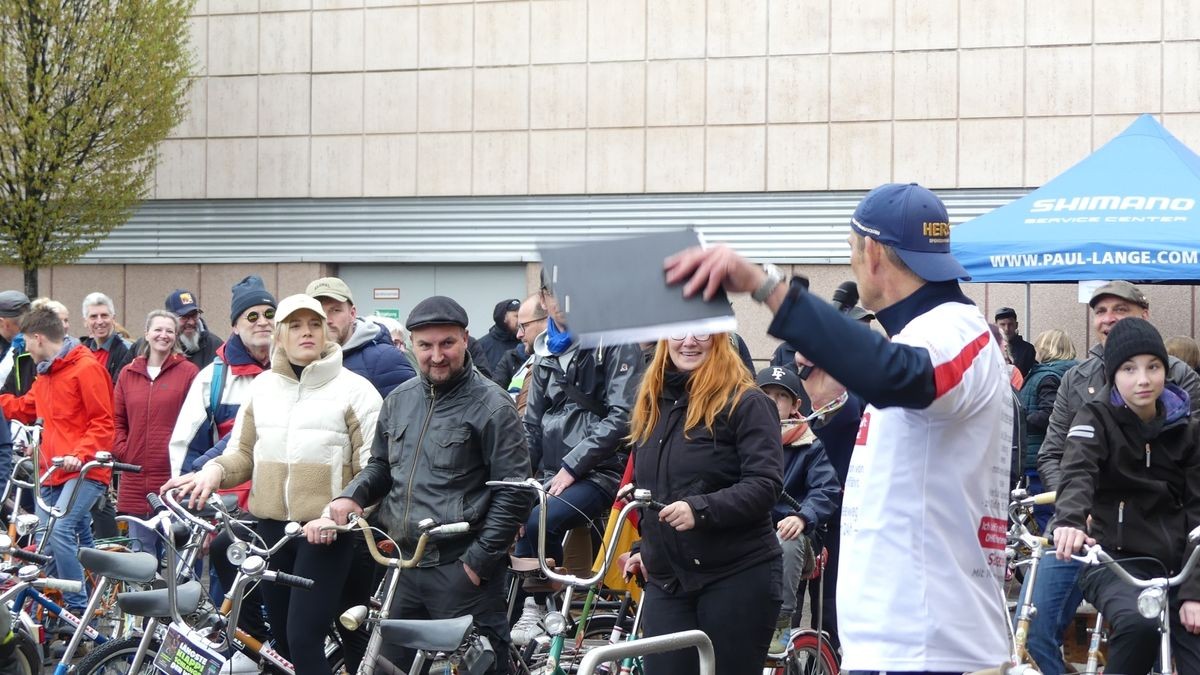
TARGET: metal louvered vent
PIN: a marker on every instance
(787, 227)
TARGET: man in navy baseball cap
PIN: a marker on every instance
(913, 222)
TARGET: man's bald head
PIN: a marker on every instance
(531, 321)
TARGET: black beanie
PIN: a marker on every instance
(1129, 338)
(504, 307)
(246, 294)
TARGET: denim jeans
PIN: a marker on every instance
(1056, 595)
(147, 540)
(72, 532)
(578, 505)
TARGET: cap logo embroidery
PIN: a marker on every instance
(185, 298)
(938, 233)
(777, 373)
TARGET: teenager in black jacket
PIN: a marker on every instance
(707, 444)
(1132, 463)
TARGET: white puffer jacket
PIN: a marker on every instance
(301, 442)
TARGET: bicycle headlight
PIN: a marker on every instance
(1150, 602)
(555, 623)
(237, 553)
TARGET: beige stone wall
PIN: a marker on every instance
(347, 98)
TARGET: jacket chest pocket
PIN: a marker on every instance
(395, 439)
(451, 451)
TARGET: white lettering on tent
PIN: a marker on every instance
(1079, 258)
(1113, 202)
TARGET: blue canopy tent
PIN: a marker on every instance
(1127, 211)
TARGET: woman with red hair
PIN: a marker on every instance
(707, 444)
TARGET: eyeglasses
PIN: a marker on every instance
(525, 324)
(253, 317)
(698, 337)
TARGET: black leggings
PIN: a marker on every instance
(300, 619)
(738, 612)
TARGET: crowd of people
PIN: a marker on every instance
(890, 449)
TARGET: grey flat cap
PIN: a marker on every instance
(13, 304)
(437, 310)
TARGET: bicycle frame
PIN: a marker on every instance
(637, 499)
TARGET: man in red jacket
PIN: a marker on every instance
(73, 396)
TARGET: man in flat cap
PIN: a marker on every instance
(440, 438)
(16, 366)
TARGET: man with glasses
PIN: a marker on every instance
(512, 370)
(575, 419)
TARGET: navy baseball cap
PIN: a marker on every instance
(913, 221)
(182, 302)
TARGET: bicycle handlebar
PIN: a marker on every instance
(6, 547)
(103, 460)
(641, 498)
(1096, 555)
(428, 531)
(172, 503)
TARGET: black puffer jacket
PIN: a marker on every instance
(435, 447)
(731, 477)
(1139, 481)
(563, 433)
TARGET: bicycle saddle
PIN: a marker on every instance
(123, 566)
(154, 603)
(431, 635)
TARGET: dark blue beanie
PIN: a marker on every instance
(246, 294)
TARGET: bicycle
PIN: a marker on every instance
(809, 651)
(557, 623)
(1153, 602)
(28, 650)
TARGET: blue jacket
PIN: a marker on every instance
(371, 353)
(808, 478)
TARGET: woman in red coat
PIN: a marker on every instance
(150, 391)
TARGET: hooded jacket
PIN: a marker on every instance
(1083, 383)
(301, 441)
(22, 371)
(146, 410)
(193, 435)
(74, 399)
(730, 475)
(495, 344)
(810, 480)
(1139, 481)
(371, 353)
(564, 434)
(435, 447)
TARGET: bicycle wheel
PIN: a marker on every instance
(28, 654)
(115, 656)
(809, 654)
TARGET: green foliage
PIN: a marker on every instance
(88, 88)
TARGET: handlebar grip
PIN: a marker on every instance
(64, 585)
(30, 556)
(155, 501)
(454, 528)
(293, 580)
(1045, 498)
(128, 468)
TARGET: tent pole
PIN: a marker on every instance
(1028, 311)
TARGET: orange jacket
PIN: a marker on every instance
(74, 399)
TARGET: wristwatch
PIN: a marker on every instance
(774, 278)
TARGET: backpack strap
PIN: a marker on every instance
(216, 390)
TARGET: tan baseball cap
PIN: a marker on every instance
(330, 287)
(1120, 289)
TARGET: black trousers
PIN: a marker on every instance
(737, 612)
(362, 581)
(300, 619)
(446, 592)
(1133, 641)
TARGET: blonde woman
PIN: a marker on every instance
(303, 435)
(707, 444)
(1056, 355)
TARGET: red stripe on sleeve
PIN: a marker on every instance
(949, 374)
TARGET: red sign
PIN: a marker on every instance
(993, 532)
(863, 427)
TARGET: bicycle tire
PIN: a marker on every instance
(113, 657)
(809, 654)
(28, 654)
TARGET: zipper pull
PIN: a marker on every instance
(1120, 525)
(1147, 455)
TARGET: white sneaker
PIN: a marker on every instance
(529, 625)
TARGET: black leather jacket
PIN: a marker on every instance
(435, 447)
(562, 433)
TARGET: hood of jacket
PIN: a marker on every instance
(366, 333)
(70, 353)
(1174, 402)
(315, 374)
(240, 361)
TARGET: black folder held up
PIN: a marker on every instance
(615, 291)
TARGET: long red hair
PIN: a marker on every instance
(719, 381)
